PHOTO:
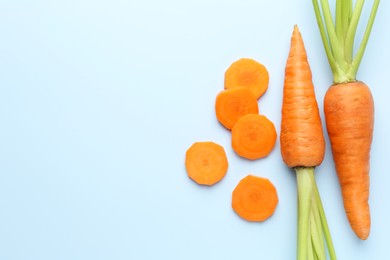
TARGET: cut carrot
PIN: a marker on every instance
(232, 104)
(253, 136)
(247, 73)
(254, 198)
(206, 163)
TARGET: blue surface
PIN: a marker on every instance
(99, 101)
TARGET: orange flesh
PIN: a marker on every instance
(247, 73)
(232, 104)
(206, 163)
(254, 198)
(253, 136)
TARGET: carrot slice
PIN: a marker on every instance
(253, 136)
(232, 104)
(247, 73)
(254, 198)
(206, 163)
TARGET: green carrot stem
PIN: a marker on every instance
(317, 234)
(324, 222)
(305, 193)
(339, 37)
(362, 48)
(334, 42)
(350, 35)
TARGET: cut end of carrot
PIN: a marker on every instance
(247, 73)
(206, 163)
(254, 198)
(253, 136)
(232, 104)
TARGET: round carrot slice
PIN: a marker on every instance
(232, 104)
(206, 163)
(247, 73)
(253, 136)
(254, 198)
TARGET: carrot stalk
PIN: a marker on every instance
(317, 233)
(304, 204)
(324, 222)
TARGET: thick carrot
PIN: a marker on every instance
(206, 163)
(348, 107)
(247, 73)
(253, 136)
(232, 104)
(254, 198)
(303, 147)
(349, 113)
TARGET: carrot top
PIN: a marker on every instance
(339, 37)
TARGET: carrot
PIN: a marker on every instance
(206, 163)
(247, 73)
(303, 147)
(232, 104)
(348, 107)
(254, 198)
(349, 110)
(253, 136)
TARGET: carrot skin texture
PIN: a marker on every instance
(349, 114)
(301, 138)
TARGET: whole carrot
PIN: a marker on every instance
(348, 107)
(303, 148)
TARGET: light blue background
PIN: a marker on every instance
(99, 101)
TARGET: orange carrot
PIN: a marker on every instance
(303, 147)
(254, 198)
(206, 163)
(301, 137)
(349, 113)
(253, 136)
(232, 104)
(247, 73)
(349, 106)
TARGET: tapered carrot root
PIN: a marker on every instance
(349, 114)
(302, 139)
